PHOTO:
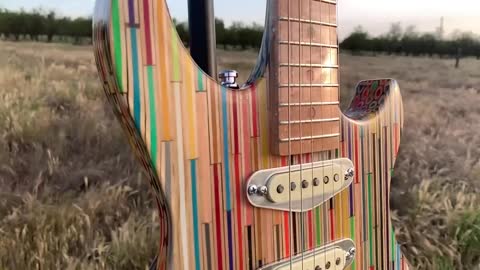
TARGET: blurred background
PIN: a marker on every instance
(73, 197)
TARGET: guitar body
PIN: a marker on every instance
(200, 142)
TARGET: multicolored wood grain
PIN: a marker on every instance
(199, 142)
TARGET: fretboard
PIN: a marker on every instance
(303, 77)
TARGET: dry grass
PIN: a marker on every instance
(73, 197)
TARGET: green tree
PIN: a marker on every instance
(35, 24)
(51, 26)
(358, 41)
(221, 32)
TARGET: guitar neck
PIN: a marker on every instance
(304, 83)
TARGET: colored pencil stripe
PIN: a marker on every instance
(193, 168)
(218, 209)
(200, 83)
(226, 158)
(136, 78)
(148, 34)
(176, 56)
(163, 76)
(117, 43)
(153, 117)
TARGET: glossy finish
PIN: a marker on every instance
(200, 142)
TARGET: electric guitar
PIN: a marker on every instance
(269, 176)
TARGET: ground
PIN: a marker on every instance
(73, 197)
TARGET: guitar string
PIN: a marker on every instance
(300, 118)
(324, 155)
(311, 132)
(333, 153)
(289, 187)
(341, 178)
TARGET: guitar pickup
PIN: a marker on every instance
(299, 188)
(335, 256)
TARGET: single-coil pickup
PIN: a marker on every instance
(299, 188)
(336, 256)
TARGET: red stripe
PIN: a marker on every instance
(239, 210)
(247, 159)
(286, 221)
(235, 124)
(284, 161)
(310, 229)
(254, 111)
(355, 135)
(148, 38)
(218, 208)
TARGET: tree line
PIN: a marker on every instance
(409, 42)
(38, 25)
(235, 36)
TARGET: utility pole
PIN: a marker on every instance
(441, 29)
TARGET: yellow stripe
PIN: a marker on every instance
(191, 150)
(337, 201)
(166, 134)
(345, 197)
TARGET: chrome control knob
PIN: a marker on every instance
(228, 78)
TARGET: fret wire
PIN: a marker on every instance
(313, 44)
(312, 85)
(308, 65)
(326, 1)
(309, 104)
(310, 121)
(311, 137)
(307, 21)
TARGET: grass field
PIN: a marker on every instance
(73, 197)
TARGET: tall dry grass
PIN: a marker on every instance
(73, 197)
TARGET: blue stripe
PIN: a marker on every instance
(363, 178)
(230, 247)
(193, 172)
(227, 175)
(398, 259)
(225, 149)
(136, 80)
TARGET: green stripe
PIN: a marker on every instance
(352, 228)
(117, 43)
(319, 226)
(392, 241)
(200, 80)
(196, 238)
(176, 56)
(153, 116)
(370, 225)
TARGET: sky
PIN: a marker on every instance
(375, 16)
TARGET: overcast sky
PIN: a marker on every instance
(374, 15)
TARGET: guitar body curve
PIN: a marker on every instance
(200, 142)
